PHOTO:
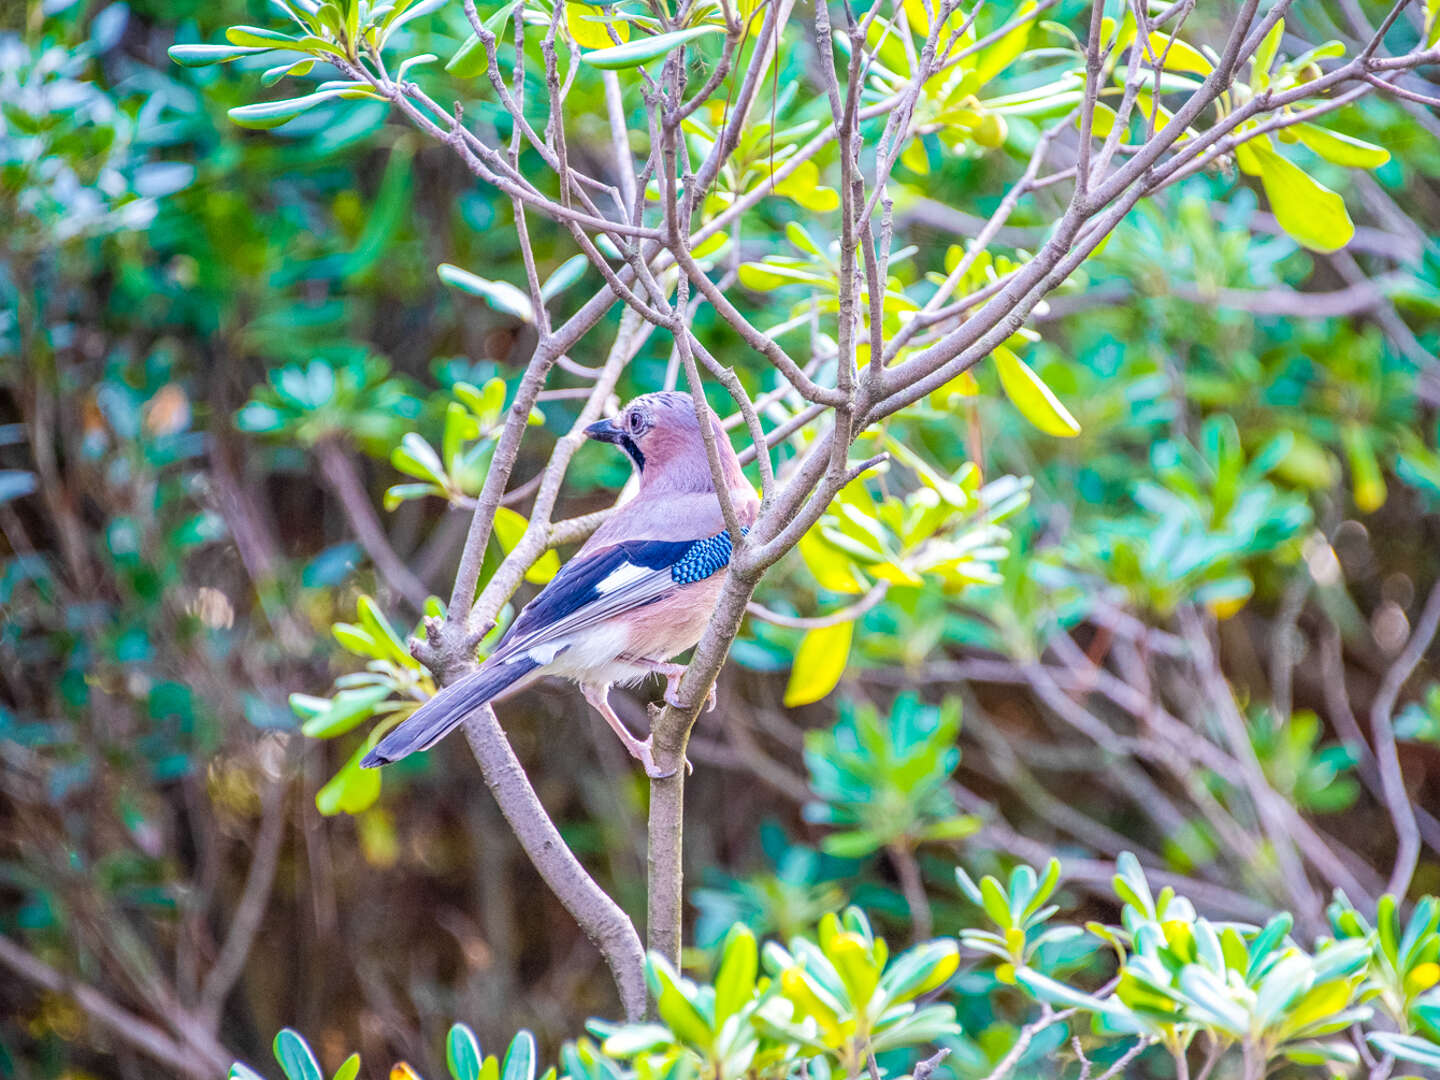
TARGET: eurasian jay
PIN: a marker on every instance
(639, 592)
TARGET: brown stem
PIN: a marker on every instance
(344, 479)
(907, 869)
(199, 1058)
(602, 920)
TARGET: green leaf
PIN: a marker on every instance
(416, 457)
(1264, 58)
(294, 1056)
(568, 273)
(348, 709)
(797, 235)
(259, 37)
(500, 295)
(1057, 993)
(471, 59)
(1366, 479)
(374, 621)
(295, 67)
(396, 494)
(349, 791)
(1321, 1053)
(242, 1072)
(519, 1058)
(349, 1068)
(674, 1006)
(264, 115)
(1310, 212)
(643, 50)
(197, 56)
(996, 903)
(955, 828)
(819, 663)
(735, 981)
(1034, 400)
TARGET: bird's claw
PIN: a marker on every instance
(672, 695)
(644, 752)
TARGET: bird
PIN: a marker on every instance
(639, 592)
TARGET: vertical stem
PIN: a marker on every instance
(598, 914)
(907, 869)
(664, 915)
(670, 732)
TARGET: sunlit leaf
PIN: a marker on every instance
(819, 663)
(1034, 400)
(587, 26)
(351, 790)
(509, 528)
(195, 56)
(1341, 149)
(1305, 208)
(500, 295)
(642, 51)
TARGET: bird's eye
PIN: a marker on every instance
(636, 422)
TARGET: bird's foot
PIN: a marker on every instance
(644, 752)
(672, 691)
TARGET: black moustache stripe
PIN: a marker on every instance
(634, 451)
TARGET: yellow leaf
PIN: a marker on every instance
(352, 789)
(991, 132)
(819, 663)
(403, 1071)
(896, 574)
(589, 33)
(1102, 120)
(1342, 149)
(1228, 607)
(1309, 211)
(962, 386)
(1323, 1001)
(828, 566)
(378, 841)
(803, 187)
(915, 158)
(806, 1001)
(1246, 156)
(509, 528)
(1181, 57)
(1036, 401)
(1422, 977)
(1366, 478)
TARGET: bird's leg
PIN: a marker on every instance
(673, 674)
(640, 749)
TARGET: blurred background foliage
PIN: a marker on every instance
(238, 406)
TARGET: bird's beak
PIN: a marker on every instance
(605, 431)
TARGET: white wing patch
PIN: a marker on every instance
(546, 653)
(622, 575)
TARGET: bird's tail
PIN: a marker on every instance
(444, 712)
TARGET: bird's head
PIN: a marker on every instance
(661, 434)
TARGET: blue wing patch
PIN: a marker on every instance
(701, 559)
